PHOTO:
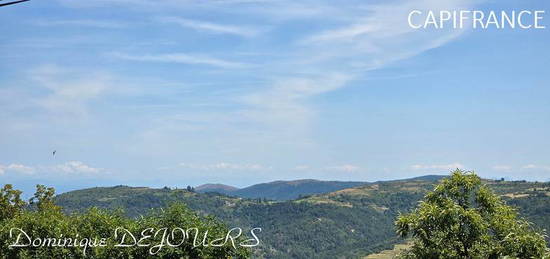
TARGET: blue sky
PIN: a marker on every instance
(186, 92)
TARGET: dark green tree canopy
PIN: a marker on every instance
(10, 202)
(45, 220)
(463, 218)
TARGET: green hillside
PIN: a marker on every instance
(280, 190)
(348, 223)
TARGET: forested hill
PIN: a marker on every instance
(348, 223)
(289, 190)
(285, 190)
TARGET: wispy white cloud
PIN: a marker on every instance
(180, 58)
(318, 61)
(210, 27)
(17, 168)
(348, 33)
(69, 91)
(105, 24)
(446, 167)
(67, 168)
(275, 10)
(381, 35)
(75, 168)
(283, 102)
(162, 5)
(327, 60)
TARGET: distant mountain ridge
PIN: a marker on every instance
(280, 190)
(293, 189)
(347, 223)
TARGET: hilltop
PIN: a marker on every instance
(216, 187)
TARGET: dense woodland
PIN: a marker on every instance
(348, 223)
(40, 229)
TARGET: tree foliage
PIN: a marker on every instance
(463, 218)
(10, 202)
(44, 220)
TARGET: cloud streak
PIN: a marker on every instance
(17, 168)
(327, 60)
(69, 91)
(67, 168)
(181, 58)
(103, 24)
(208, 27)
(76, 168)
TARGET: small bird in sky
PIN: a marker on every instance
(53, 153)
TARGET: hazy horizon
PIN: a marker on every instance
(28, 187)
